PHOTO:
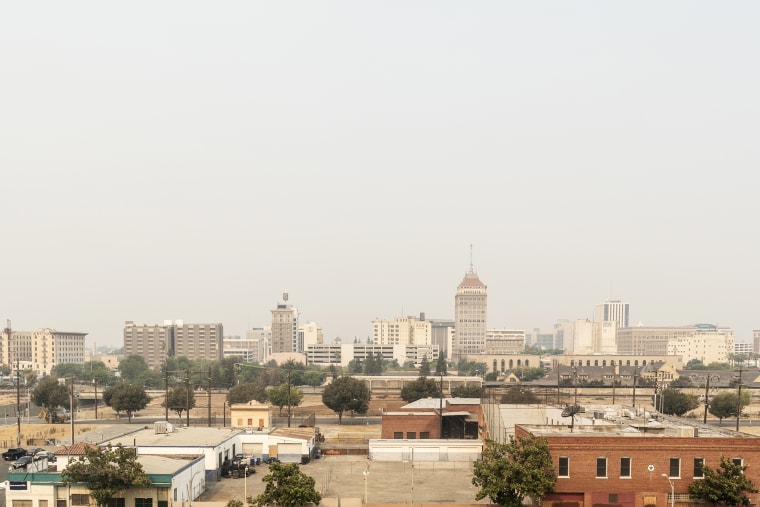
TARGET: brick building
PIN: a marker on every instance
(462, 418)
(633, 464)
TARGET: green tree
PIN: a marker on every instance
(422, 387)
(278, 396)
(726, 486)
(107, 471)
(288, 486)
(678, 403)
(313, 377)
(346, 393)
(244, 393)
(180, 399)
(355, 366)
(507, 473)
(440, 366)
(51, 394)
(517, 395)
(529, 373)
(126, 397)
(466, 391)
(424, 366)
(725, 404)
(695, 364)
(132, 367)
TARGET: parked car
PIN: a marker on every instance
(45, 455)
(33, 452)
(14, 453)
(21, 462)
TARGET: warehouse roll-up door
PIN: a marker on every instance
(289, 453)
(255, 450)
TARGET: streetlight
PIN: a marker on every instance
(672, 491)
(366, 477)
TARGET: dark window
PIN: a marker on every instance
(675, 467)
(143, 502)
(116, 502)
(79, 499)
(424, 434)
(698, 464)
(613, 498)
(737, 461)
(625, 468)
(398, 434)
(601, 468)
(411, 435)
(163, 503)
(564, 466)
(60, 503)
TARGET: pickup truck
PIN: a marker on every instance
(14, 453)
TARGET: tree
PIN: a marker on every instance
(529, 373)
(244, 393)
(279, 396)
(517, 395)
(131, 367)
(695, 364)
(346, 393)
(126, 397)
(107, 471)
(51, 394)
(423, 387)
(424, 366)
(509, 472)
(678, 403)
(313, 377)
(288, 486)
(440, 366)
(180, 398)
(725, 405)
(726, 486)
(466, 391)
(356, 366)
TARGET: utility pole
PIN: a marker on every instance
(739, 400)
(707, 392)
(71, 406)
(9, 333)
(187, 390)
(635, 374)
(288, 396)
(209, 398)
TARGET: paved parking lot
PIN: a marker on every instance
(387, 482)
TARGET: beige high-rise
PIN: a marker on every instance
(470, 309)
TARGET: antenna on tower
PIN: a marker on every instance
(472, 269)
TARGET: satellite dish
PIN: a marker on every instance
(570, 410)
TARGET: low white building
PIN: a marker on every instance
(425, 450)
(173, 480)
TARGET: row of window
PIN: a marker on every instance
(411, 435)
(674, 467)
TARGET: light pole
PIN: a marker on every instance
(95, 385)
(366, 477)
(672, 491)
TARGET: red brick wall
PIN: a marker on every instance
(406, 423)
(644, 451)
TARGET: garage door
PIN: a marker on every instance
(289, 453)
(255, 450)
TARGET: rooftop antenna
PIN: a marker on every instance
(472, 269)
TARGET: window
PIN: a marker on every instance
(398, 434)
(563, 466)
(411, 435)
(424, 434)
(601, 468)
(58, 503)
(42, 503)
(143, 502)
(79, 499)
(22, 503)
(116, 502)
(698, 464)
(613, 498)
(737, 461)
(163, 503)
(675, 467)
(625, 467)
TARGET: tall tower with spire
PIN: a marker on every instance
(470, 310)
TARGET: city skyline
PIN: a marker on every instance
(197, 162)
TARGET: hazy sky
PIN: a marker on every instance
(193, 160)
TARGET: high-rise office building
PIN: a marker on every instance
(285, 328)
(156, 342)
(42, 349)
(470, 310)
(402, 331)
(612, 310)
